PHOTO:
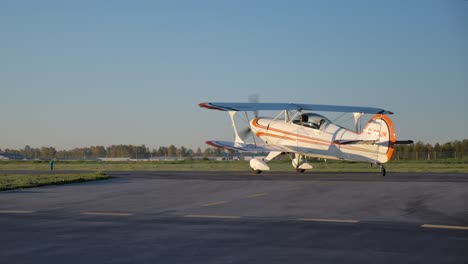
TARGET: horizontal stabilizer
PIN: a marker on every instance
(350, 142)
(403, 142)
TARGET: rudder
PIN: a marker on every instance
(381, 127)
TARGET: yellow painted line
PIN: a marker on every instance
(328, 220)
(106, 214)
(445, 226)
(256, 195)
(16, 212)
(214, 216)
(215, 203)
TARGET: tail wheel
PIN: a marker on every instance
(257, 171)
(300, 170)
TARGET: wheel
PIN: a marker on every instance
(300, 170)
(257, 171)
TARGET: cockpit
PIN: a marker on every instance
(311, 120)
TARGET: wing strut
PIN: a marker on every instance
(238, 139)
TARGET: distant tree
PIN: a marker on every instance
(219, 152)
(208, 152)
(62, 154)
(418, 150)
(48, 152)
(162, 151)
(182, 152)
(79, 153)
(447, 150)
(458, 148)
(213, 152)
(199, 152)
(139, 151)
(190, 153)
(27, 150)
(172, 151)
(98, 151)
(30, 153)
(119, 151)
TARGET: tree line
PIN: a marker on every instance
(457, 149)
(418, 151)
(114, 151)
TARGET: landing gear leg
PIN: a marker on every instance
(382, 170)
(297, 160)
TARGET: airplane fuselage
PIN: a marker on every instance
(324, 141)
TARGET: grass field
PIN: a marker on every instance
(453, 165)
(18, 181)
(10, 180)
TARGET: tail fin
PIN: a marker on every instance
(380, 128)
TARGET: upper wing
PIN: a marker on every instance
(242, 147)
(292, 106)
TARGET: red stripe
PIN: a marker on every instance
(208, 106)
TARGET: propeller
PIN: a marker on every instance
(254, 98)
(245, 132)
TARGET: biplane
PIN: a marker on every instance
(300, 132)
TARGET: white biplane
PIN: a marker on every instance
(300, 132)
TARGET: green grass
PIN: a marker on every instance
(19, 181)
(449, 165)
(9, 181)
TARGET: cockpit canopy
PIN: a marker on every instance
(312, 120)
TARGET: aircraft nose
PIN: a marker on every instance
(254, 125)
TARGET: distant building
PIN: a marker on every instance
(11, 156)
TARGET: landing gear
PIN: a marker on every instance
(258, 164)
(382, 170)
(300, 163)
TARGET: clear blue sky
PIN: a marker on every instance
(81, 73)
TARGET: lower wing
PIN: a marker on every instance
(242, 147)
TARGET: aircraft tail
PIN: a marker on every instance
(380, 128)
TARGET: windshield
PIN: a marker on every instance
(312, 120)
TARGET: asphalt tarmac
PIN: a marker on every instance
(237, 217)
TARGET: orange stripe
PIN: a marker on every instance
(305, 139)
(391, 129)
(392, 136)
(256, 124)
(314, 142)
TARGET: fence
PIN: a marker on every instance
(433, 155)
